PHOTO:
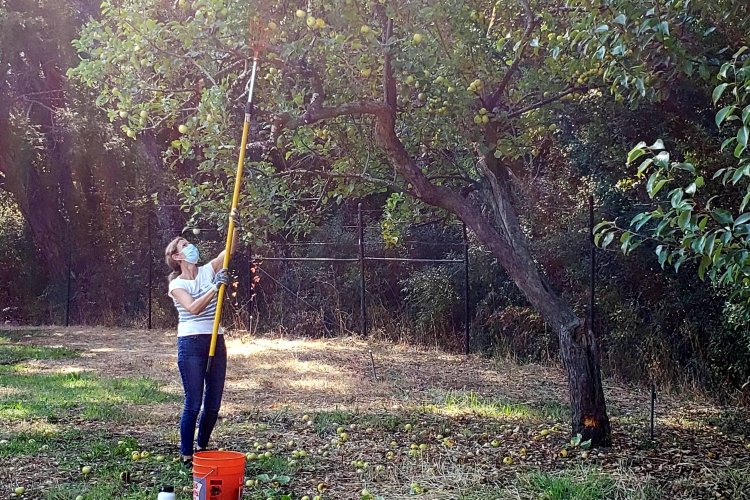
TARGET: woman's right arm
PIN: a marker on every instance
(193, 306)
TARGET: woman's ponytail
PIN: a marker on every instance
(170, 261)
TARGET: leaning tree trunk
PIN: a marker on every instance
(505, 239)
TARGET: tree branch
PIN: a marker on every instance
(530, 24)
(389, 83)
(544, 102)
(396, 188)
(316, 113)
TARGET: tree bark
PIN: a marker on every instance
(577, 343)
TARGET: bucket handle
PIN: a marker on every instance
(213, 469)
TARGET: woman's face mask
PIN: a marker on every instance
(191, 253)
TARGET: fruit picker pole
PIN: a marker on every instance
(235, 200)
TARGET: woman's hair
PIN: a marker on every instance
(174, 265)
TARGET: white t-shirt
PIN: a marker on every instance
(203, 323)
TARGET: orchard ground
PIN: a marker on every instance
(431, 425)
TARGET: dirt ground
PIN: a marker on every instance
(698, 447)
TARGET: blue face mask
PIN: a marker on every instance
(191, 253)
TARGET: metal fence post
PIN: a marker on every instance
(362, 300)
(467, 319)
(67, 292)
(150, 265)
(592, 278)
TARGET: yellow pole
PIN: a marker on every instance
(235, 201)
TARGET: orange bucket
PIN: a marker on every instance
(218, 475)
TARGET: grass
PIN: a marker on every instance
(56, 423)
(456, 402)
(114, 473)
(26, 443)
(59, 396)
(15, 353)
(326, 421)
(389, 422)
(564, 486)
(582, 483)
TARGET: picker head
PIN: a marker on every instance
(258, 34)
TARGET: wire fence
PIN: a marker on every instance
(287, 279)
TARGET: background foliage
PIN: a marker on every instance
(141, 135)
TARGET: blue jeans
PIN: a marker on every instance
(200, 387)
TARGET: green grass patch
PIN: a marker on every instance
(385, 421)
(26, 443)
(114, 474)
(565, 487)
(57, 396)
(471, 402)
(326, 421)
(12, 353)
(108, 480)
(585, 484)
(275, 465)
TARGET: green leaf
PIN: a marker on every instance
(740, 173)
(685, 166)
(727, 142)
(625, 240)
(724, 70)
(740, 52)
(723, 114)
(646, 217)
(710, 241)
(576, 440)
(684, 219)
(746, 115)
(662, 159)
(658, 186)
(657, 146)
(675, 197)
(661, 254)
(718, 91)
(621, 19)
(692, 188)
(745, 201)
(722, 216)
(643, 166)
(602, 28)
(635, 153)
(705, 261)
(586, 444)
(742, 219)
(608, 239)
(739, 150)
(742, 136)
(699, 181)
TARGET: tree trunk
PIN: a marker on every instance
(577, 344)
(37, 201)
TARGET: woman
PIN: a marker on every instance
(194, 291)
